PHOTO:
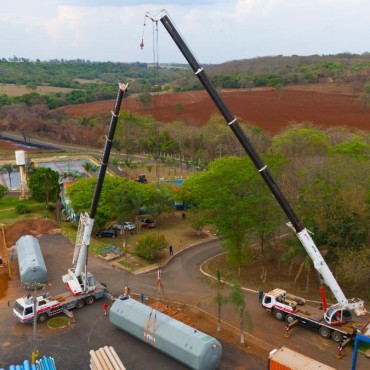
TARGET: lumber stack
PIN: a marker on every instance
(105, 358)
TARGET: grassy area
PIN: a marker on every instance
(9, 215)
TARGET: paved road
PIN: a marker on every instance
(183, 282)
(70, 347)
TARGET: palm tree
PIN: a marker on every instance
(8, 168)
(219, 298)
(90, 168)
(238, 300)
(296, 252)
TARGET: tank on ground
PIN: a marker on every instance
(190, 346)
(32, 268)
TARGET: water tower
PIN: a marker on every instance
(20, 161)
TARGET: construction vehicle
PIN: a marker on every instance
(328, 321)
(46, 306)
(82, 286)
(78, 280)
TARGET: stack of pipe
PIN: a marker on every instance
(105, 358)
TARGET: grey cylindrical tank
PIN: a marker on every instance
(190, 346)
(32, 268)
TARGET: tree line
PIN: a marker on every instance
(93, 81)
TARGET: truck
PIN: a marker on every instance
(287, 359)
(47, 306)
(82, 286)
(334, 321)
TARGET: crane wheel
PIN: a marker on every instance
(42, 318)
(289, 318)
(80, 303)
(279, 315)
(325, 332)
(89, 300)
(336, 336)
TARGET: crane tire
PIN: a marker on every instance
(325, 332)
(42, 318)
(289, 318)
(80, 304)
(336, 336)
(90, 300)
(279, 315)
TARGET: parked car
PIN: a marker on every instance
(127, 226)
(146, 222)
(111, 233)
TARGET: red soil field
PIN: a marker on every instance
(324, 106)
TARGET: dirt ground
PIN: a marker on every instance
(201, 320)
(323, 105)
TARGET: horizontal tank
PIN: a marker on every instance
(188, 345)
(31, 263)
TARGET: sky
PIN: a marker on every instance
(216, 31)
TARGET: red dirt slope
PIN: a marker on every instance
(266, 108)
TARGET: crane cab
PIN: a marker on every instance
(337, 315)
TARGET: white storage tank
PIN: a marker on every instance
(20, 158)
(190, 346)
(32, 268)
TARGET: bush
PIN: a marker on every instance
(150, 245)
(21, 209)
(50, 208)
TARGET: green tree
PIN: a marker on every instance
(90, 168)
(150, 245)
(3, 191)
(8, 169)
(296, 253)
(238, 300)
(219, 299)
(159, 198)
(145, 99)
(44, 184)
(232, 204)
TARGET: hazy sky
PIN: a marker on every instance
(215, 30)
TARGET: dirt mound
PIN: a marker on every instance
(33, 227)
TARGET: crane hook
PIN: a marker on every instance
(142, 44)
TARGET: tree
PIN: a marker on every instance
(296, 252)
(238, 300)
(9, 169)
(44, 184)
(149, 246)
(231, 205)
(3, 191)
(219, 299)
(90, 168)
(145, 99)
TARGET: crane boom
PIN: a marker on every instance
(299, 229)
(77, 279)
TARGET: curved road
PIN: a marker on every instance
(182, 282)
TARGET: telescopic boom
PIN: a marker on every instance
(302, 233)
(76, 278)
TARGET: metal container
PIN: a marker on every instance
(188, 345)
(32, 268)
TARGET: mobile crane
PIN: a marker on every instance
(277, 301)
(81, 284)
